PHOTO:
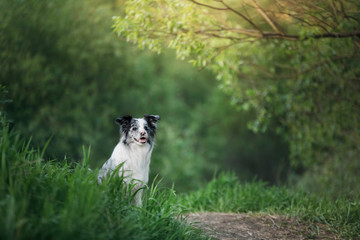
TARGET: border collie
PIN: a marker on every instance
(133, 151)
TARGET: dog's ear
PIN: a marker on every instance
(125, 120)
(152, 118)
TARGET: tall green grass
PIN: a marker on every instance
(42, 199)
(226, 194)
(55, 200)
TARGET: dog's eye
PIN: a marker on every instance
(134, 128)
(146, 128)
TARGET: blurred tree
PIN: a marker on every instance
(56, 66)
(294, 63)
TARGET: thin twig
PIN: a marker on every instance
(241, 15)
(208, 6)
(304, 21)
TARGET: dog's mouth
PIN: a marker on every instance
(141, 140)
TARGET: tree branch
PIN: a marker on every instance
(265, 16)
(248, 32)
(316, 36)
(272, 35)
(208, 6)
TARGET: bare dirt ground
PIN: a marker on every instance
(231, 226)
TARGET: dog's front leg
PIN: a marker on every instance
(137, 198)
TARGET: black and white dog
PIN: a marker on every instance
(133, 151)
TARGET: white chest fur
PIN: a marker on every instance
(135, 159)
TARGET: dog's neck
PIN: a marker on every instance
(139, 155)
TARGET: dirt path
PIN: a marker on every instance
(231, 226)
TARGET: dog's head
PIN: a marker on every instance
(138, 130)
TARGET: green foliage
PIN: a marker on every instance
(294, 64)
(46, 64)
(226, 194)
(47, 200)
(69, 78)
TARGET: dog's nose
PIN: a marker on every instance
(142, 133)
